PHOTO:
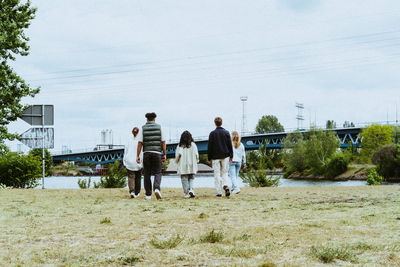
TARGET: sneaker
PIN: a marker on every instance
(187, 196)
(148, 197)
(132, 194)
(137, 195)
(219, 195)
(236, 191)
(227, 191)
(158, 194)
(191, 193)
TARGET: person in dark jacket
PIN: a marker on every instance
(153, 142)
(220, 153)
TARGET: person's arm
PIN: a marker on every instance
(125, 153)
(209, 149)
(177, 154)
(230, 148)
(164, 148)
(243, 156)
(139, 148)
(196, 151)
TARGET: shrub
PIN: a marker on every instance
(84, 184)
(386, 159)
(48, 159)
(336, 165)
(115, 178)
(19, 170)
(374, 178)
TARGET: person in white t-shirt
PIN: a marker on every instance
(134, 169)
(187, 157)
(238, 161)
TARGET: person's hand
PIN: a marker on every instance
(138, 160)
(230, 160)
(244, 166)
(209, 162)
(163, 158)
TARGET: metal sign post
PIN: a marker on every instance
(39, 115)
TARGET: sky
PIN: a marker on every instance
(104, 64)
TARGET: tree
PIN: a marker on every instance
(373, 137)
(294, 159)
(15, 17)
(319, 148)
(387, 160)
(269, 123)
(396, 134)
(330, 124)
(348, 124)
(48, 159)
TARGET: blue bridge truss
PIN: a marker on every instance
(251, 142)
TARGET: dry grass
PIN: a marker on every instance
(260, 227)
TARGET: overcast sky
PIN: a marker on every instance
(104, 64)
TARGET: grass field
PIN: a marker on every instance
(259, 227)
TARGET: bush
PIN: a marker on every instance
(48, 159)
(386, 159)
(84, 184)
(115, 178)
(19, 170)
(374, 178)
(336, 165)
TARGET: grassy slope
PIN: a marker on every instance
(267, 225)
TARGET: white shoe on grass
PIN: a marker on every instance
(191, 193)
(147, 197)
(158, 194)
(187, 196)
(236, 191)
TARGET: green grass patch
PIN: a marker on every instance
(212, 237)
(105, 220)
(171, 242)
(328, 254)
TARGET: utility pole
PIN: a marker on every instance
(244, 126)
(299, 117)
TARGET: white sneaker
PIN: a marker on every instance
(147, 197)
(158, 194)
(132, 194)
(236, 191)
(191, 193)
(137, 195)
(187, 196)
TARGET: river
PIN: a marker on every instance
(174, 181)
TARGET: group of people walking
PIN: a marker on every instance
(147, 150)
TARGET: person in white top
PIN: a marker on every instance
(134, 169)
(186, 158)
(238, 160)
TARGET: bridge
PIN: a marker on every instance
(250, 142)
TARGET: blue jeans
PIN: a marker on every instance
(234, 168)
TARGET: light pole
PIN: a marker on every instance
(244, 127)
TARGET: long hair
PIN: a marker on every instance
(235, 139)
(186, 140)
(135, 131)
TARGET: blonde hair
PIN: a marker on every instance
(235, 139)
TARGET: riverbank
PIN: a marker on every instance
(275, 226)
(354, 172)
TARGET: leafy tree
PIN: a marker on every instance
(319, 148)
(348, 124)
(374, 178)
(15, 17)
(387, 159)
(330, 124)
(268, 124)
(337, 165)
(373, 137)
(396, 134)
(294, 158)
(48, 159)
(19, 170)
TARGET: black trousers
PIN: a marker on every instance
(152, 165)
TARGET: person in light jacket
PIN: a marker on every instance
(134, 169)
(186, 158)
(238, 160)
